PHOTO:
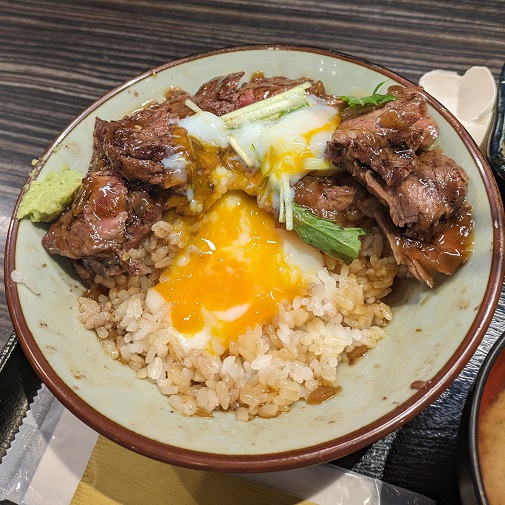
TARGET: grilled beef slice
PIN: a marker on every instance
(417, 196)
(223, 94)
(444, 253)
(219, 95)
(381, 148)
(148, 146)
(105, 220)
(332, 197)
(385, 138)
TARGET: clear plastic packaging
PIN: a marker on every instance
(22, 459)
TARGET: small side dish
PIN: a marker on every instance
(491, 443)
(483, 436)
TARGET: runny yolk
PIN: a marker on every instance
(286, 153)
(232, 275)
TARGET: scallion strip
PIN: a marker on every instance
(192, 105)
(317, 164)
(282, 207)
(246, 158)
(268, 107)
(288, 201)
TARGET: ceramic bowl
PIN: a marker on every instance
(496, 146)
(433, 334)
(477, 436)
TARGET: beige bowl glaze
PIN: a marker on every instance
(433, 334)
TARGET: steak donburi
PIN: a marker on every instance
(384, 169)
(239, 242)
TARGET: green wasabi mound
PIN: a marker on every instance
(45, 200)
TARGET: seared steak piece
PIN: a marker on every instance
(331, 197)
(385, 138)
(260, 88)
(98, 159)
(219, 95)
(437, 189)
(148, 146)
(96, 220)
(444, 253)
(381, 148)
(223, 94)
(176, 102)
(103, 222)
(426, 199)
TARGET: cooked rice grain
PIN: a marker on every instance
(268, 368)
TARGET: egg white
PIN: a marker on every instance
(304, 260)
(306, 130)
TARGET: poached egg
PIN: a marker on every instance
(279, 147)
(233, 274)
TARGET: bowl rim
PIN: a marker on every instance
(319, 453)
(475, 401)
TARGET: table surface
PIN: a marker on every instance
(58, 56)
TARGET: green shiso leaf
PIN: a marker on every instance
(334, 240)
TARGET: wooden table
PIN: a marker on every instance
(57, 57)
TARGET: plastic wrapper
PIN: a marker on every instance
(22, 459)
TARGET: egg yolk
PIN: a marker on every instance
(232, 275)
(287, 149)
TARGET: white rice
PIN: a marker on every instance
(267, 369)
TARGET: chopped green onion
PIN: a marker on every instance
(282, 206)
(311, 164)
(246, 158)
(267, 111)
(288, 201)
(192, 105)
(285, 202)
(268, 107)
(294, 109)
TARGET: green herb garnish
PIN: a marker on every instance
(373, 99)
(334, 240)
(303, 105)
(269, 107)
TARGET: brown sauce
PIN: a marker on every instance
(356, 354)
(321, 394)
(449, 250)
(257, 75)
(95, 291)
(201, 412)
